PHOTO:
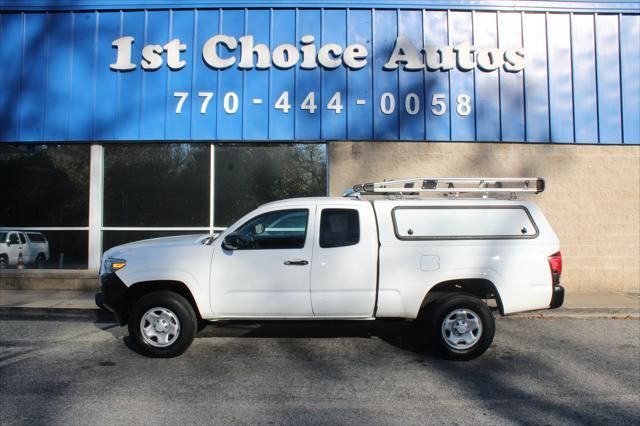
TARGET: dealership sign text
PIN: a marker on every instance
(217, 53)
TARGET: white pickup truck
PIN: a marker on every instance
(433, 260)
(33, 247)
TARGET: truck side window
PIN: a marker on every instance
(282, 229)
(35, 238)
(339, 228)
(13, 239)
(22, 240)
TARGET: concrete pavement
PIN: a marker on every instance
(557, 371)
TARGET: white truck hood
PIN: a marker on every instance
(152, 244)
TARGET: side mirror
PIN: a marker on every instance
(231, 242)
(8, 243)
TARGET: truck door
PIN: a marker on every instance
(268, 275)
(345, 259)
(27, 249)
(13, 248)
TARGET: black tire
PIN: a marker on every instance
(4, 262)
(40, 261)
(178, 306)
(469, 346)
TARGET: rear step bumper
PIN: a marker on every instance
(557, 299)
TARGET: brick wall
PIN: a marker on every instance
(592, 198)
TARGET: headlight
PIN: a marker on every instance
(111, 265)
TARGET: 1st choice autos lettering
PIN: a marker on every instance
(216, 53)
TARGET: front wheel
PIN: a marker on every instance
(461, 326)
(162, 324)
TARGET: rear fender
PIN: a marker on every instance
(489, 275)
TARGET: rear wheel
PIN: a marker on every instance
(4, 262)
(162, 324)
(461, 326)
(40, 261)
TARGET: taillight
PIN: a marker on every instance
(555, 264)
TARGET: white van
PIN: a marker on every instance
(436, 260)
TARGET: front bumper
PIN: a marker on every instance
(557, 299)
(113, 298)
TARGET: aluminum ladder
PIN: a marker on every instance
(453, 187)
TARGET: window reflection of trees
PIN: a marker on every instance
(249, 175)
(156, 185)
(44, 185)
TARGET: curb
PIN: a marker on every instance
(580, 313)
(572, 316)
(71, 314)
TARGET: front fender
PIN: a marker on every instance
(198, 291)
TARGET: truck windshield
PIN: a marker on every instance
(3, 237)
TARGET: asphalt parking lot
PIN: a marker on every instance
(551, 371)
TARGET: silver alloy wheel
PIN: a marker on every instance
(159, 327)
(461, 328)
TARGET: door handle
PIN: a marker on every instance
(296, 262)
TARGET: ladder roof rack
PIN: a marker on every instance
(453, 187)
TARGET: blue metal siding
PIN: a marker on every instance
(584, 79)
(630, 63)
(360, 117)
(281, 124)
(511, 84)
(580, 83)
(58, 79)
(204, 126)
(106, 84)
(230, 80)
(536, 78)
(385, 82)
(461, 82)
(560, 82)
(487, 84)
(10, 76)
(128, 115)
(411, 83)
(178, 126)
(608, 69)
(334, 81)
(436, 33)
(83, 66)
(33, 80)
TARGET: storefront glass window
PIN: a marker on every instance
(247, 176)
(156, 185)
(44, 185)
